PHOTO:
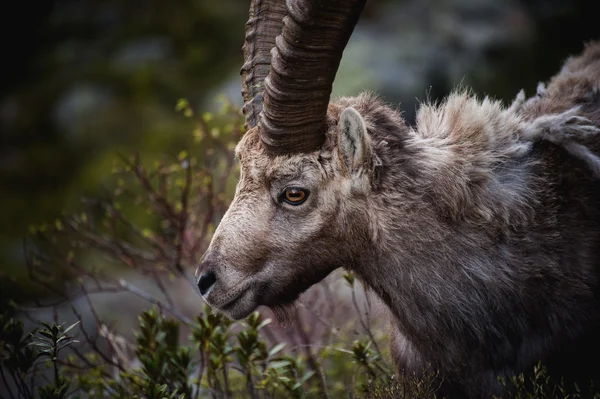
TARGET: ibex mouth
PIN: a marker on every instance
(231, 304)
(236, 304)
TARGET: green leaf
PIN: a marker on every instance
(304, 378)
(147, 233)
(279, 364)
(182, 155)
(46, 334)
(40, 344)
(182, 104)
(276, 348)
(207, 116)
(71, 327)
(349, 277)
(264, 323)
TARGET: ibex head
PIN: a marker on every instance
(306, 172)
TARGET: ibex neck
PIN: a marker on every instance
(455, 186)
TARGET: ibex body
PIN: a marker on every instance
(479, 228)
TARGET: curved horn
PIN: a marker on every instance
(304, 62)
(264, 24)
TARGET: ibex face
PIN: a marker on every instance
(293, 220)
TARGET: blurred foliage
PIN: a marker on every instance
(91, 78)
(215, 361)
(541, 386)
(218, 360)
(20, 352)
(155, 217)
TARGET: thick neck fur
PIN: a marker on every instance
(484, 230)
(445, 189)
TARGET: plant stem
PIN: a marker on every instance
(55, 363)
(366, 327)
(250, 383)
(20, 386)
(200, 371)
(6, 383)
(226, 381)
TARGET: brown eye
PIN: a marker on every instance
(294, 195)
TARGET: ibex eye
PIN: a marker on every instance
(294, 195)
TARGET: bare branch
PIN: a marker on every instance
(149, 298)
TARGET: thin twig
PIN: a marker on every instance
(314, 363)
(163, 288)
(366, 327)
(6, 383)
(144, 295)
(130, 225)
(139, 173)
(23, 390)
(183, 215)
(88, 365)
(309, 309)
(94, 345)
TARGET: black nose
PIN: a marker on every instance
(206, 281)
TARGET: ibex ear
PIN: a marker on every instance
(354, 145)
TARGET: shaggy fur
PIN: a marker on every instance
(479, 228)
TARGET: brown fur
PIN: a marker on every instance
(479, 228)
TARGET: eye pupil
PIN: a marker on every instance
(295, 196)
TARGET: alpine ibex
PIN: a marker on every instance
(479, 228)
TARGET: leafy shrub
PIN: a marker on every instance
(19, 352)
(217, 361)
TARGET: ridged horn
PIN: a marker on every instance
(304, 63)
(264, 24)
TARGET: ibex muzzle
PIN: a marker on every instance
(479, 228)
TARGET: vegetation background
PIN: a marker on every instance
(111, 184)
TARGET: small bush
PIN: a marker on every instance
(218, 360)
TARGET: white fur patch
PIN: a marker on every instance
(470, 143)
(484, 129)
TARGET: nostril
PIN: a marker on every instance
(206, 282)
